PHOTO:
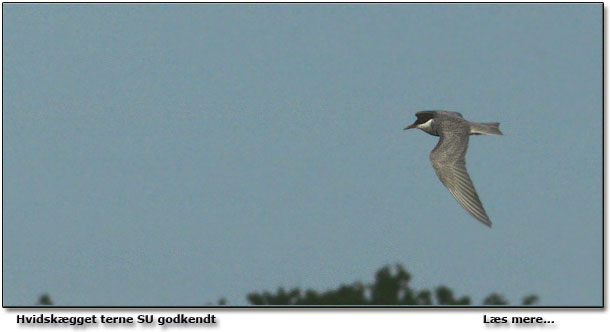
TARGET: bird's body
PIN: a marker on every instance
(449, 156)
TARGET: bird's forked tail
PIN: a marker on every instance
(489, 128)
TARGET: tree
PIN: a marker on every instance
(495, 299)
(530, 300)
(45, 299)
(391, 287)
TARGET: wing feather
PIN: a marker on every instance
(449, 161)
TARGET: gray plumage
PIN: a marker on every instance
(449, 156)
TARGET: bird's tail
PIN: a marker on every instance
(489, 128)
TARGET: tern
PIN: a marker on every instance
(449, 155)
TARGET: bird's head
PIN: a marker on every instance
(425, 122)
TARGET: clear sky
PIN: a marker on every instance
(177, 154)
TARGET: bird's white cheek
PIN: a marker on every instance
(425, 125)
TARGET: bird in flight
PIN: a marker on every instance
(449, 155)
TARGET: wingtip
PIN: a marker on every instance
(499, 131)
(485, 221)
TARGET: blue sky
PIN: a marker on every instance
(177, 154)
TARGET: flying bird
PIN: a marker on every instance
(449, 155)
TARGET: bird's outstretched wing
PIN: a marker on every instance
(449, 161)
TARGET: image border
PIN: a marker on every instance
(399, 307)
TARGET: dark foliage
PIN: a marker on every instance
(530, 300)
(391, 287)
(45, 299)
(495, 299)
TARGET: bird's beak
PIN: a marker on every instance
(410, 127)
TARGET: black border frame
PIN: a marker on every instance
(416, 307)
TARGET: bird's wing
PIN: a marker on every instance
(449, 161)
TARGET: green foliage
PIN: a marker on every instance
(495, 299)
(45, 299)
(391, 287)
(530, 300)
(444, 296)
